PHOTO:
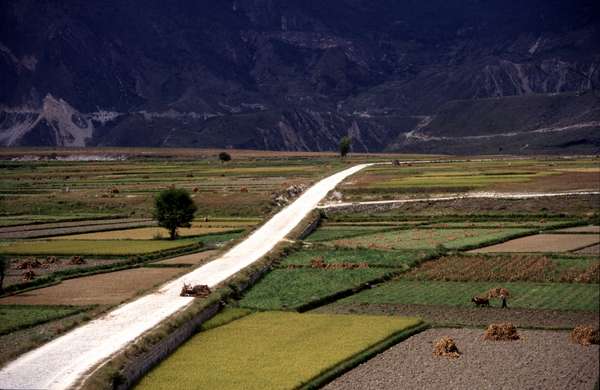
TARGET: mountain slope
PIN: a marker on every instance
(298, 74)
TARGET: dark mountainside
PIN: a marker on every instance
(462, 76)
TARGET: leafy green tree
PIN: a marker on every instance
(174, 208)
(345, 144)
(224, 157)
(4, 263)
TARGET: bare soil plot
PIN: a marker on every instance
(539, 360)
(543, 243)
(471, 316)
(108, 288)
(581, 229)
(194, 258)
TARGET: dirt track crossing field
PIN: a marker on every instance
(539, 360)
(543, 243)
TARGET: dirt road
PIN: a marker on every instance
(468, 195)
(60, 363)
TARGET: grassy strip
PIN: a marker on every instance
(329, 234)
(348, 364)
(17, 317)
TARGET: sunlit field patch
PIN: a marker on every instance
(271, 350)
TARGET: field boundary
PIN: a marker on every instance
(348, 364)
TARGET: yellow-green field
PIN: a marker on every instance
(271, 350)
(149, 233)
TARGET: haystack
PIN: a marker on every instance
(28, 275)
(498, 292)
(77, 260)
(28, 263)
(585, 335)
(501, 332)
(446, 347)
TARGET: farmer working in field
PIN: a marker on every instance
(503, 298)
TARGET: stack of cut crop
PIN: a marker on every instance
(501, 332)
(446, 347)
(585, 335)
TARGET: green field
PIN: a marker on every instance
(335, 232)
(15, 317)
(375, 258)
(556, 296)
(284, 289)
(271, 350)
(429, 238)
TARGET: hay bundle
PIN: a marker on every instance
(446, 347)
(501, 332)
(498, 292)
(77, 260)
(28, 275)
(318, 262)
(29, 263)
(52, 260)
(585, 335)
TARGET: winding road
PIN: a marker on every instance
(61, 363)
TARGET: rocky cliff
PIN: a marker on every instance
(469, 76)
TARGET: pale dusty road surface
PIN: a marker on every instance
(60, 363)
(468, 195)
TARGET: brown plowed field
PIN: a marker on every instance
(109, 288)
(543, 243)
(539, 360)
(194, 258)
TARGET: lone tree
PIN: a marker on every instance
(174, 208)
(3, 267)
(224, 157)
(345, 144)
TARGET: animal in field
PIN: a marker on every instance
(479, 302)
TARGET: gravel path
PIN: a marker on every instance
(450, 315)
(468, 195)
(540, 360)
(60, 363)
